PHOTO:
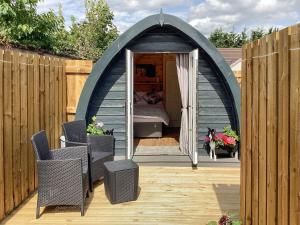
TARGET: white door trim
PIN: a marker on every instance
(129, 104)
(193, 71)
(194, 106)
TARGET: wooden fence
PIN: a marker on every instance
(270, 154)
(32, 98)
(77, 72)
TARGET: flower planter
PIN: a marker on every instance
(232, 152)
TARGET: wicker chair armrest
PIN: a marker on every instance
(53, 173)
(103, 143)
(72, 153)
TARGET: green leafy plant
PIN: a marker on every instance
(212, 223)
(230, 133)
(95, 128)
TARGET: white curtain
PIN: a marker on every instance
(182, 64)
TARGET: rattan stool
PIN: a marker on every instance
(121, 179)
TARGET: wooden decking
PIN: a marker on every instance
(168, 195)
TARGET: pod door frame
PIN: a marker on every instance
(192, 104)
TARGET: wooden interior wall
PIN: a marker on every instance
(172, 96)
(270, 154)
(77, 72)
(32, 98)
(146, 84)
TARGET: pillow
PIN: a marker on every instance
(161, 94)
(139, 98)
(136, 97)
(140, 93)
(141, 102)
(153, 97)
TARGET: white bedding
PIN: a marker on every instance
(150, 113)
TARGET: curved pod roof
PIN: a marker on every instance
(137, 29)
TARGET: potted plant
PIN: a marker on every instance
(96, 128)
(98, 137)
(220, 143)
(226, 220)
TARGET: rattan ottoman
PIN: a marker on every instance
(121, 180)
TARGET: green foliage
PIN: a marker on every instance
(21, 25)
(61, 36)
(259, 33)
(94, 128)
(236, 222)
(230, 133)
(226, 219)
(223, 39)
(92, 36)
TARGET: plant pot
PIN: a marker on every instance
(222, 150)
(101, 141)
(228, 150)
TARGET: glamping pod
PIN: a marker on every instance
(160, 75)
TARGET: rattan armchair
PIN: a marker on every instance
(102, 148)
(62, 174)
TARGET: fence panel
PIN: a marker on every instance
(32, 97)
(262, 129)
(7, 131)
(16, 136)
(24, 124)
(2, 186)
(283, 125)
(294, 125)
(248, 153)
(270, 148)
(77, 72)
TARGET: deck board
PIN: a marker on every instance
(169, 195)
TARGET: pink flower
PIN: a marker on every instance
(206, 139)
(219, 136)
(99, 124)
(228, 140)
